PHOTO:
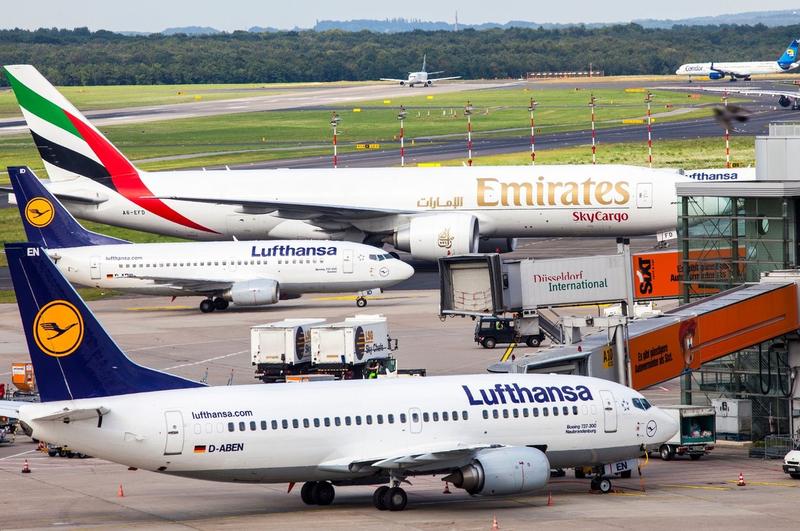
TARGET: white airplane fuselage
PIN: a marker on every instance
(315, 431)
(508, 201)
(737, 69)
(322, 267)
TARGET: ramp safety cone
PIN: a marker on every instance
(549, 499)
(740, 482)
(495, 525)
(120, 492)
(446, 488)
(26, 469)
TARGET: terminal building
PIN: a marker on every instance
(733, 340)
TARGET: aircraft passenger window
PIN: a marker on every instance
(380, 419)
(215, 263)
(464, 415)
(241, 426)
(390, 418)
(545, 412)
(435, 416)
(285, 424)
(425, 417)
(415, 417)
(220, 427)
(585, 410)
(594, 409)
(274, 424)
(306, 424)
(327, 422)
(209, 428)
(198, 429)
(505, 413)
(369, 419)
(565, 410)
(358, 420)
(238, 262)
(444, 416)
(495, 414)
(337, 421)
(181, 264)
(252, 425)
(485, 414)
(347, 421)
(525, 412)
(230, 426)
(402, 418)
(535, 411)
(455, 415)
(574, 410)
(555, 411)
(295, 423)
(515, 412)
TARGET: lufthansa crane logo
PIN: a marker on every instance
(651, 428)
(58, 329)
(39, 212)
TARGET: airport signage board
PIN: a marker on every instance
(567, 281)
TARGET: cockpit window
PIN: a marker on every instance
(381, 257)
(641, 403)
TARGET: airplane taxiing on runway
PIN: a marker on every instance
(743, 70)
(429, 212)
(489, 434)
(250, 273)
(421, 77)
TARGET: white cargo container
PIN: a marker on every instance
(354, 341)
(734, 418)
(283, 342)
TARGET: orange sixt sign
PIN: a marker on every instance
(659, 274)
(589, 193)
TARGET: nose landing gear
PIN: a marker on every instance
(361, 302)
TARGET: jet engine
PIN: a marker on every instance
(429, 82)
(503, 471)
(716, 75)
(435, 236)
(784, 101)
(497, 245)
(253, 293)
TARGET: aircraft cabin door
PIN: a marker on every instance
(644, 195)
(174, 431)
(609, 411)
(415, 420)
(94, 267)
(347, 261)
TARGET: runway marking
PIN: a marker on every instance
(158, 308)
(354, 297)
(17, 455)
(699, 487)
(170, 345)
(768, 484)
(215, 358)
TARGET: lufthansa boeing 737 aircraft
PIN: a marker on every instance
(429, 212)
(420, 78)
(491, 435)
(246, 273)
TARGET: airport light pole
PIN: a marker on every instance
(468, 113)
(649, 100)
(402, 116)
(592, 101)
(335, 119)
(531, 108)
(727, 133)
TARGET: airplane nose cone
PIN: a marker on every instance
(402, 270)
(661, 426)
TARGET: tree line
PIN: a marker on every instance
(82, 57)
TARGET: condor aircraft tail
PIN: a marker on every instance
(789, 57)
(73, 357)
(71, 147)
(47, 223)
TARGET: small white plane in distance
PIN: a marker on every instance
(251, 273)
(488, 434)
(421, 77)
(743, 70)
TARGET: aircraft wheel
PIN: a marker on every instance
(220, 304)
(207, 306)
(666, 451)
(305, 492)
(323, 493)
(395, 499)
(361, 302)
(378, 498)
(604, 485)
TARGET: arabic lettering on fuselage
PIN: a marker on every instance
(437, 202)
(291, 250)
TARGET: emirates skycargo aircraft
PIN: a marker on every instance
(429, 212)
(488, 434)
(246, 273)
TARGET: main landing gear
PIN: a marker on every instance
(389, 498)
(209, 305)
(317, 493)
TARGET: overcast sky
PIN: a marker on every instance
(155, 15)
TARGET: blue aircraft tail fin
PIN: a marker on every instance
(73, 356)
(789, 56)
(46, 221)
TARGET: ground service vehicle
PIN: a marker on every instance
(696, 436)
(489, 331)
(791, 462)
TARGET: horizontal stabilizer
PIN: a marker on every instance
(68, 415)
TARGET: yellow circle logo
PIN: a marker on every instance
(58, 329)
(39, 212)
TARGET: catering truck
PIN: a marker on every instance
(697, 435)
(282, 348)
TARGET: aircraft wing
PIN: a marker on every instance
(443, 78)
(392, 79)
(194, 285)
(290, 210)
(432, 457)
